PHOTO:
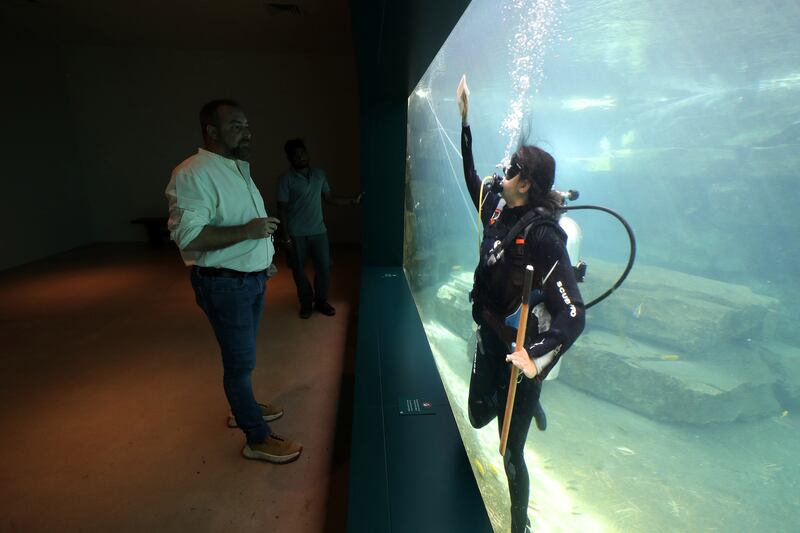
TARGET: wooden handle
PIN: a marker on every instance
(512, 384)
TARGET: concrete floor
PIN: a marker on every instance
(114, 412)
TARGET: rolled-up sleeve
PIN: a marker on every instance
(191, 207)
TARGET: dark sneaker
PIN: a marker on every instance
(275, 449)
(541, 418)
(268, 413)
(305, 311)
(325, 308)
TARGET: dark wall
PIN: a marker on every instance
(43, 205)
(84, 154)
(395, 42)
(136, 111)
(93, 133)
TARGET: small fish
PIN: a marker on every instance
(625, 451)
(638, 311)
(480, 468)
(784, 414)
(670, 357)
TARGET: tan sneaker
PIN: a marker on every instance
(275, 449)
(268, 413)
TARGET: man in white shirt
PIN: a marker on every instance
(217, 219)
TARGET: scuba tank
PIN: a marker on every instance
(574, 240)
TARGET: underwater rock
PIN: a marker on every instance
(784, 360)
(453, 309)
(684, 313)
(640, 377)
(789, 315)
(668, 345)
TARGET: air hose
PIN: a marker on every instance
(631, 256)
(574, 195)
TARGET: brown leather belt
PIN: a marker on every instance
(219, 272)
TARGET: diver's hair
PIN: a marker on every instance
(553, 203)
(293, 144)
(539, 168)
(209, 113)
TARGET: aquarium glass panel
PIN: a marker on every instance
(678, 409)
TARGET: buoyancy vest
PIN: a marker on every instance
(503, 253)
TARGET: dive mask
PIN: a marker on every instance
(509, 173)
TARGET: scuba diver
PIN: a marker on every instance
(520, 215)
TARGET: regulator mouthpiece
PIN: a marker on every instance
(497, 183)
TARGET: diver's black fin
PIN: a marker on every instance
(541, 418)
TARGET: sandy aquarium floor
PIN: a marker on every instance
(604, 468)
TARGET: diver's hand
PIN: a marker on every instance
(462, 98)
(522, 360)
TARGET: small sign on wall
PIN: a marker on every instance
(416, 406)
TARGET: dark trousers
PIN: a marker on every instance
(318, 248)
(234, 306)
(488, 392)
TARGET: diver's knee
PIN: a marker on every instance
(479, 414)
(513, 458)
(508, 464)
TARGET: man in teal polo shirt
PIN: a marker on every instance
(300, 194)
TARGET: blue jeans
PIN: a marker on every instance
(234, 307)
(318, 248)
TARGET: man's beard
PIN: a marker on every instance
(242, 151)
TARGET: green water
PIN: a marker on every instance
(679, 407)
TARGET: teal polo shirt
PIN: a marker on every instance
(303, 198)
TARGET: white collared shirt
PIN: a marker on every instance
(209, 189)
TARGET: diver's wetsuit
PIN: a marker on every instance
(553, 324)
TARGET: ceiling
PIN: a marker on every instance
(313, 26)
